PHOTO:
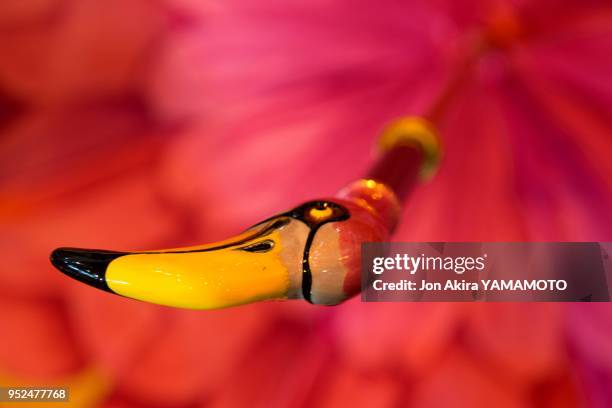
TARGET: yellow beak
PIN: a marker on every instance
(252, 266)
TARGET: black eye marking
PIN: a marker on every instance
(305, 214)
(259, 247)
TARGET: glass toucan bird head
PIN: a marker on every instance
(310, 252)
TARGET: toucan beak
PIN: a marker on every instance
(299, 254)
(255, 265)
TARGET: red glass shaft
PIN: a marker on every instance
(399, 169)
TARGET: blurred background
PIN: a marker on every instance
(139, 124)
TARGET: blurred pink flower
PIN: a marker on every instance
(148, 124)
(307, 86)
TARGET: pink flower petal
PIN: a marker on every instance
(36, 341)
(520, 342)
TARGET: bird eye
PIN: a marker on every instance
(320, 214)
(316, 213)
(259, 247)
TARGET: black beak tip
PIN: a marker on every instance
(57, 257)
(85, 265)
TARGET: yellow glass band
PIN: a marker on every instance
(411, 131)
